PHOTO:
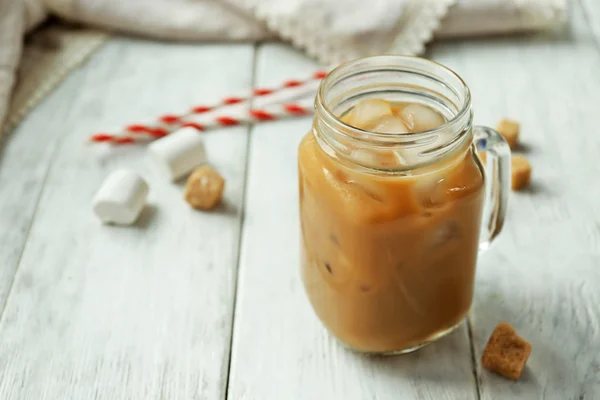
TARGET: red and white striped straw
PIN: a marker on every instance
(256, 92)
(142, 133)
(169, 122)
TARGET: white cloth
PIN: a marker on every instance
(328, 30)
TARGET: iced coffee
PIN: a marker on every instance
(388, 258)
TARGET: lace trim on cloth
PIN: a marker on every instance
(309, 28)
(421, 24)
(418, 19)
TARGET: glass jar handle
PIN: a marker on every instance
(497, 173)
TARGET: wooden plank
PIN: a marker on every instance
(25, 157)
(280, 349)
(139, 312)
(542, 276)
(591, 14)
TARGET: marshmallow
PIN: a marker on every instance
(121, 197)
(178, 154)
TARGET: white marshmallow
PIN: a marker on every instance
(178, 154)
(121, 197)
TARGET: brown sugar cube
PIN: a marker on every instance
(204, 188)
(506, 352)
(510, 131)
(520, 171)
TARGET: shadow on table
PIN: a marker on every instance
(4, 141)
(226, 208)
(147, 216)
(535, 187)
(523, 148)
(447, 362)
(565, 360)
(561, 35)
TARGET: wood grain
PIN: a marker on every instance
(145, 312)
(280, 349)
(542, 276)
(142, 312)
(23, 170)
(591, 15)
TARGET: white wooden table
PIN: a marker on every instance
(190, 305)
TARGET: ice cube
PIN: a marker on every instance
(429, 190)
(378, 158)
(419, 118)
(386, 159)
(400, 157)
(391, 158)
(366, 158)
(389, 124)
(357, 199)
(409, 156)
(444, 234)
(367, 112)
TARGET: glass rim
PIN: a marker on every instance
(393, 62)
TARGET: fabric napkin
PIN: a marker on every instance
(328, 30)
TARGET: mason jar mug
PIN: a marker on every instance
(392, 222)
